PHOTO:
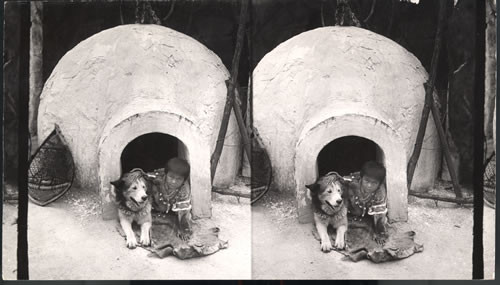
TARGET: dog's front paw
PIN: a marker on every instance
(380, 238)
(339, 243)
(145, 240)
(326, 246)
(185, 235)
(131, 243)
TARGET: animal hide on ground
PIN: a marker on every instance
(361, 244)
(204, 241)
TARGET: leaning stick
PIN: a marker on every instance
(431, 106)
(231, 192)
(231, 84)
(441, 198)
(412, 163)
(241, 124)
(446, 147)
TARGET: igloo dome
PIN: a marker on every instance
(331, 98)
(134, 96)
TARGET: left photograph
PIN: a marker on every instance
(138, 124)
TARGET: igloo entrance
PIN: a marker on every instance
(151, 151)
(347, 154)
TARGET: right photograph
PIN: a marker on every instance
(363, 149)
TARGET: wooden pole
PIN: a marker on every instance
(431, 106)
(429, 88)
(249, 107)
(231, 192)
(241, 124)
(231, 84)
(446, 148)
(490, 76)
(440, 198)
(36, 63)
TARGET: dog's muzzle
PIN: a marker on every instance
(335, 207)
(141, 202)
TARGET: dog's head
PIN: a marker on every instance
(132, 189)
(327, 192)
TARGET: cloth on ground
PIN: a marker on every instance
(165, 242)
(361, 244)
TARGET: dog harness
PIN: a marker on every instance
(333, 217)
(128, 212)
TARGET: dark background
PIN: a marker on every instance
(214, 24)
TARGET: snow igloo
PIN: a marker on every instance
(135, 96)
(332, 98)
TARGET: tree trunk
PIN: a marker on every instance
(36, 63)
(461, 42)
(12, 21)
(490, 76)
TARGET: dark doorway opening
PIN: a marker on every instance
(346, 155)
(150, 151)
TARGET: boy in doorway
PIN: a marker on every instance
(366, 195)
(171, 192)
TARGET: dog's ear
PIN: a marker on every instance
(117, 183)
(313, 187)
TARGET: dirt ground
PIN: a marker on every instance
(69, 240)
(284, 249)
